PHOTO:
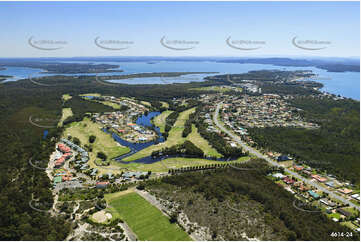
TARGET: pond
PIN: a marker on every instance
(145, 121)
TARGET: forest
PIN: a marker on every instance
(334, 147)
(211, 190)
(21, 141)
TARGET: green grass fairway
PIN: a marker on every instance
(146, 103)
(202, 143)
(146, 221)
(174, 138)
(159, 121)
(172, 163)
(103, 142)
(66, 97)
(222, 89)
(66, 112)
(91, 94)
(165, 104)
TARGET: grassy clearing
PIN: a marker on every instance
(146, 221)
(91, 94)
(202, 143)
(165, 104)
(110, 104)
(66, 97)
(103, 143)
(174, 138)
(146, 103)
(66, 112)
(217, 89)
(350, 225)
(159, 121)
(173, 163)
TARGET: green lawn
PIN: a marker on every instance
(66, 112)
(66, 97)
(174, 137)
(172, 163)
(165, 104)
(222, 89)
(159, 121)
(145, 220)
(103, 142)
(202, 143)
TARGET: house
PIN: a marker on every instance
(298, 168)
(94, 172)
(343, 212)
(63, 148)
(306, 172)
(328, 202)
(283, 158)
(102, 184)
(66, 178)
(319, 178)
(128, 175)
(313, 194)
(288, 180)
(278, 176)
(356, 196)
(345, 191)
(330, 184)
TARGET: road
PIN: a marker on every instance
(274, 163)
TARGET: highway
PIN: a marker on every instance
(274, 163)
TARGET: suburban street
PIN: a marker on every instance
(274, 163)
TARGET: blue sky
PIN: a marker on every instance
(274, 24)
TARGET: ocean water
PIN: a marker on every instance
(346, 84)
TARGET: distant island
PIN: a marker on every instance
(153, 74)
(59, 67)
(4, 77)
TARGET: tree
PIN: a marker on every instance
(92, 138)
(173, 217)
(76, 141)
(102, 156)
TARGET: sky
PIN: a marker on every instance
(263, 28)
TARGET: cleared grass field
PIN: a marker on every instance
(91, 94)
(66, 97)
(159, 121)
(66, 112)
(217, 89)
(110, 104)
(146, 103)
(172, 163)
(174, 137)
(103, 142)
(165, 104)
(145, 220)
(202, 143)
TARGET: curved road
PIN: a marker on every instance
(274, 163)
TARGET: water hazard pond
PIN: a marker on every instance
(145, 121)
